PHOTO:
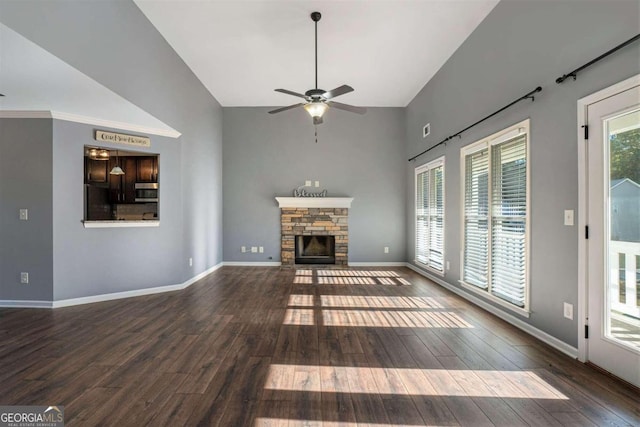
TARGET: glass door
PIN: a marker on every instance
(614, 243)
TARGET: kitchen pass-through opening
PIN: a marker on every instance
(315, 250)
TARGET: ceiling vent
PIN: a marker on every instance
(426, 130)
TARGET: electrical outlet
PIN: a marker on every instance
(386, 249)
(190, 262)
(568, 311)
(448, 266)
(24, 277)
(261, 249)
(568, 217)
(254, 249)
(307, 183)
(24, 214)
(243, 249)
(317, 183)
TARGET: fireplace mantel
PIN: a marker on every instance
(314, 202)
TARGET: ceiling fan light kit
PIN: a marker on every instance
(317, 100)
(316, 109)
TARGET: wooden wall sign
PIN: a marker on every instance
(120, 138)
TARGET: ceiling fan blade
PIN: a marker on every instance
(347, 107)
(317, 120)
(279, 110)
(289, 92)
(337, 91)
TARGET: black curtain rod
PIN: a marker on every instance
(527, 96)
(575, 72)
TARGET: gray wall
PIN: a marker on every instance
(26, 183)
(521, 45)
(356, 156)
(97, 38)
(90, 261)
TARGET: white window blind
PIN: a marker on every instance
(476, 218)
(430, 215)
(495, 216)
(509, 209)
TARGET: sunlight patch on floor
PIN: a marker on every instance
(376, 318)
(356, 301)
(298, 300)
(357, 273)
(287, 422)
(393, 319)
(349, 277)
(346, 281)
(299, 317)
(411, 382)
(371, 311)
(304, 272)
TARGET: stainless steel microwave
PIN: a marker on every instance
(147, 191)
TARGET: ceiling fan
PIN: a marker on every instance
(318, 100)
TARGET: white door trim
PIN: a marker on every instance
(583, 200)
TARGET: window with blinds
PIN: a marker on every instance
(430, 215)
(495, 215)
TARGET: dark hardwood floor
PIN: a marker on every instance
(260, 346)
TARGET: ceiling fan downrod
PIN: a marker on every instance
(315, 17)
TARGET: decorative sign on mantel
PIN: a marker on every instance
(301, 192)
(120, 138)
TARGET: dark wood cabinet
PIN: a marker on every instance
(122, 187)
(98, 206)
(115, 183)
(129, 165)
(96, 171)
(147, 170)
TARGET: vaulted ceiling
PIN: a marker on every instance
(386, 50)
(242, 50)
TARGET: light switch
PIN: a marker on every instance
(568, 217)
(24, 214)
(568, 311)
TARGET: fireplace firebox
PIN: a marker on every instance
(315, 250)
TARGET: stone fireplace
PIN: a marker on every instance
(326, 219)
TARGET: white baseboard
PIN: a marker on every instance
(108, 297)
(531, 330)
(377, 264)
(252, 264)
(25, 304)
(202, 275)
